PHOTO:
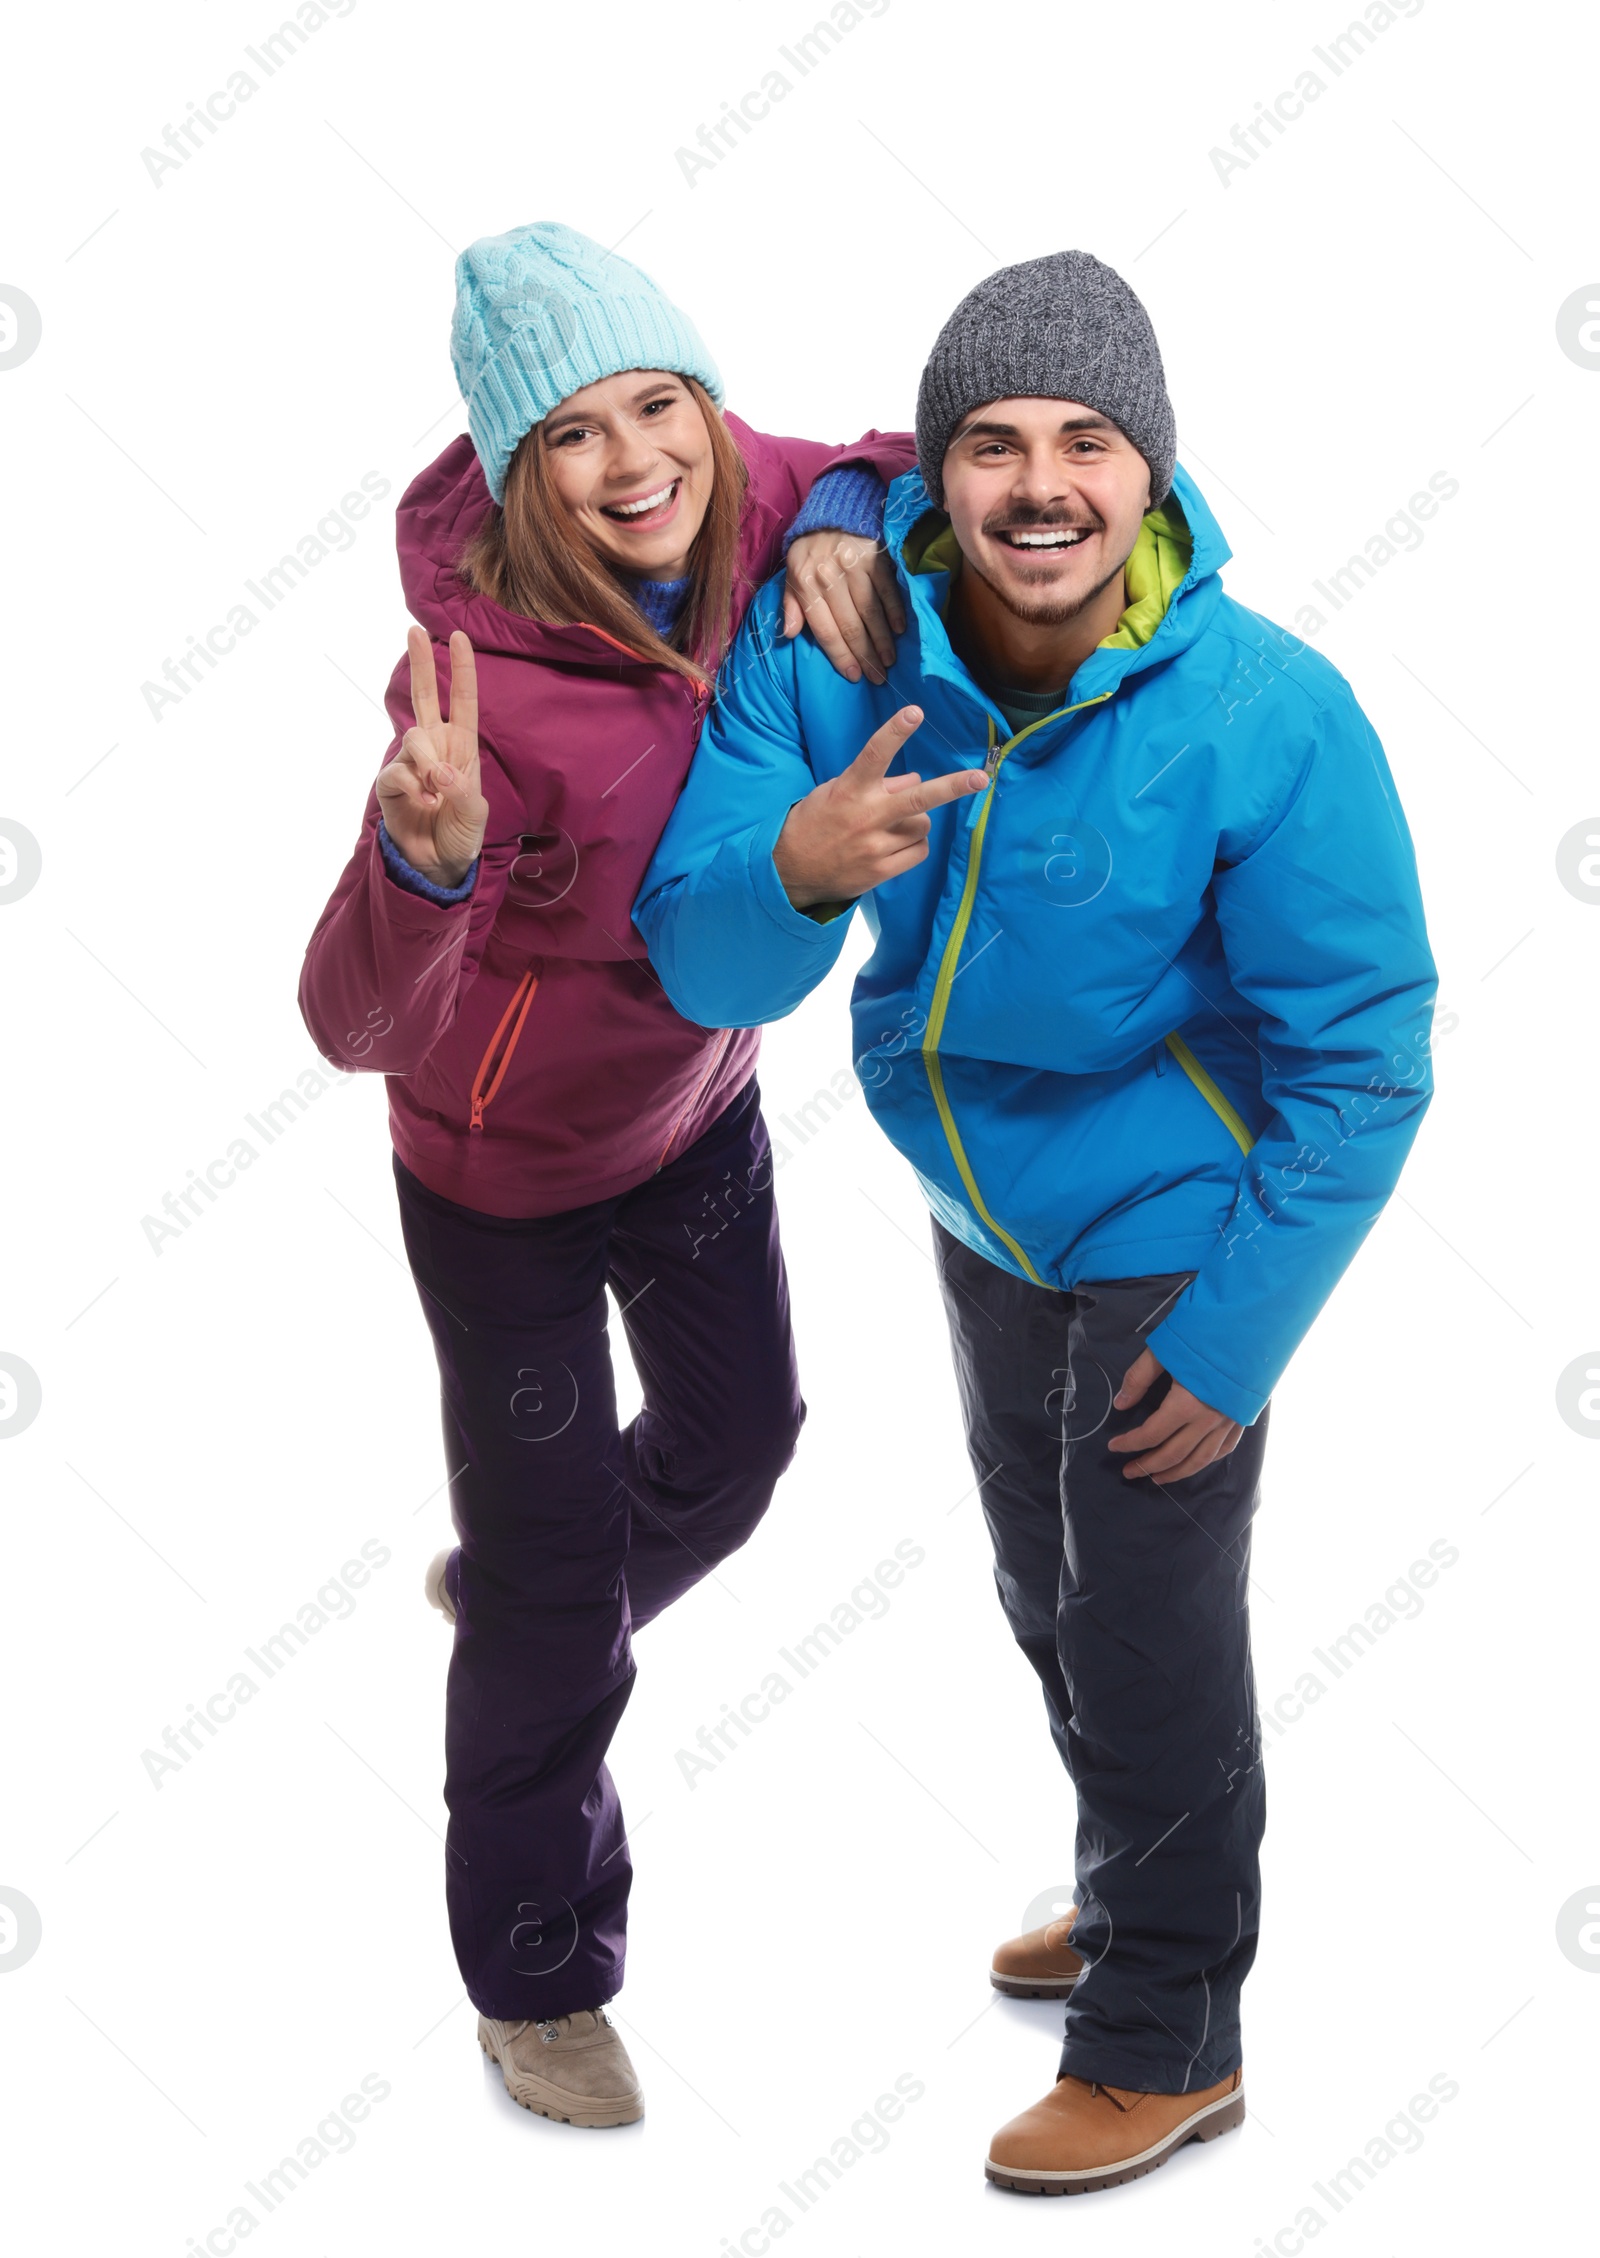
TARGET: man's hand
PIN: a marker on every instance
(864, 826)
(843, 587)
(1181, 1435)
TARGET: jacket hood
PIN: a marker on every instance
(438, 514)
(1173, 582)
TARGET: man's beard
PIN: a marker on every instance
(1049, 611)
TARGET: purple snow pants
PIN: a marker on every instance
(573, 1533)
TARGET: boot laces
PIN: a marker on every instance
(550, 2030)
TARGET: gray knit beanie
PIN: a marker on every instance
(1064, 327)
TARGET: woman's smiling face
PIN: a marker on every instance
(630, 461)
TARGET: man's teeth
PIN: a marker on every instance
(650, 502)
(1066, 537)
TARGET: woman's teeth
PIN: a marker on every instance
(638, 509)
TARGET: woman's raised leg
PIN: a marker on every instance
(698, 1274)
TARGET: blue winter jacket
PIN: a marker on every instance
(1158, 1000)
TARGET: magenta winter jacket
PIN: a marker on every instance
(533, 1061)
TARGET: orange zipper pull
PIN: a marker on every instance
(526, 989)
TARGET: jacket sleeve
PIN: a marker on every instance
(783, 471)
(1323, 929)
(847, 500)
(730, 948)
(383, 970)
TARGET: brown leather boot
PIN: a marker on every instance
(1039, 1964)
(574, 2067)
(1082, 2136)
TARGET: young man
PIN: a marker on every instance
(1148, 1013)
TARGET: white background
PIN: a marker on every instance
(224, 1956)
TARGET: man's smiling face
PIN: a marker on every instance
(1046, 499)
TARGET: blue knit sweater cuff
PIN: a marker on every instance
(404, 874)
(842, 501)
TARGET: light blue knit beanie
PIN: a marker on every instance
(541, 312)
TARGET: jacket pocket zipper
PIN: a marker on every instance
(522, 996)
(1212, 1094)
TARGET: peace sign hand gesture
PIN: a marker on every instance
(864, 825)
(429, 794)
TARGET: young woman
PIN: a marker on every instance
(585, 556)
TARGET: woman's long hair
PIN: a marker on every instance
(528, 557)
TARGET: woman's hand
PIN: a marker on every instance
(429, 793)
(843, 587)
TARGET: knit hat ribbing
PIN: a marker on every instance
(1064, 327)
(541, 311)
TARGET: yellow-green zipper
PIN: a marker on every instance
(941, 999)
(1210, 1092)
(947, 973)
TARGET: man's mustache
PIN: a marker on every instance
(1053, 520)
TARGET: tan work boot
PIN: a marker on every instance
(574, 2067)
(433, 1584)
(1082, 2136)
(1039, 1964)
